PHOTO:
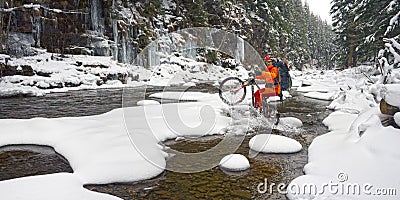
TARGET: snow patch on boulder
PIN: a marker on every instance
(269, 143)
(290, 122)
(339, 120)
(391, 94)
(234, 162)
(397, 118)
(147, 102)
(320, 95)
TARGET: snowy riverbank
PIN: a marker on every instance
(46, 73)
(359, 158)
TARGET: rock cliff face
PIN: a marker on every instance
(91, 27)
(117, 28)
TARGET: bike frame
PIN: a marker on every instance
(252, 82)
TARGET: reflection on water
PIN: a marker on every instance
(27, 160)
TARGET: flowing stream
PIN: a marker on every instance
(25, 160)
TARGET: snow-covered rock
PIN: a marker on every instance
(182, 96)
(391, 94)
(237, 129)
(269, 143)
(321, 96)
(352, 101)
(147, 102)
(290, 122)
(397, 118)
(189, 84)
(234, 162)
(339, 120)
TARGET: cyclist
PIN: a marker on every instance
(272, 82)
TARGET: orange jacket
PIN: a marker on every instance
(271, 76)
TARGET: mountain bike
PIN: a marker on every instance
(232, 91)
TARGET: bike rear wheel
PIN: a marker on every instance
(232, 91)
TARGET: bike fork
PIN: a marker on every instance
(252, 96)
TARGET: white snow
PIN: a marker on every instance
(61, 186)
(370, 158)
(358, 151)
(234, 162)
(86, 72)
(4, 56)
(391, 94)
(352, 101)
(321, 96)
(119, 146)
(189, 84)
(147, 102)
(269, 143)
(182, 96)
(60, 73)
(97, 147)
(9, 89)
(339, 120)
(397, 118)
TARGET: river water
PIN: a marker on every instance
(19, 161)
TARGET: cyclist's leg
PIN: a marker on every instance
(258, 99)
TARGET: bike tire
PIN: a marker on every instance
(231, 91)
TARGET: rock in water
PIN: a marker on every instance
(291, 122)
(234, 162)
(269, 143)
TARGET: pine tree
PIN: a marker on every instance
(345, 28)
(371, 23)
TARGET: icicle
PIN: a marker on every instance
(153, 57)
(239, 49)
(37, 29)
(96, 19)
(124, 57)
(94, 15)
(115, 34)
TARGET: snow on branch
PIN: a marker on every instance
(391, 44)
(37, 6)
(394, 20)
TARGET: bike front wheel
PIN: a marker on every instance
(232, 91)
